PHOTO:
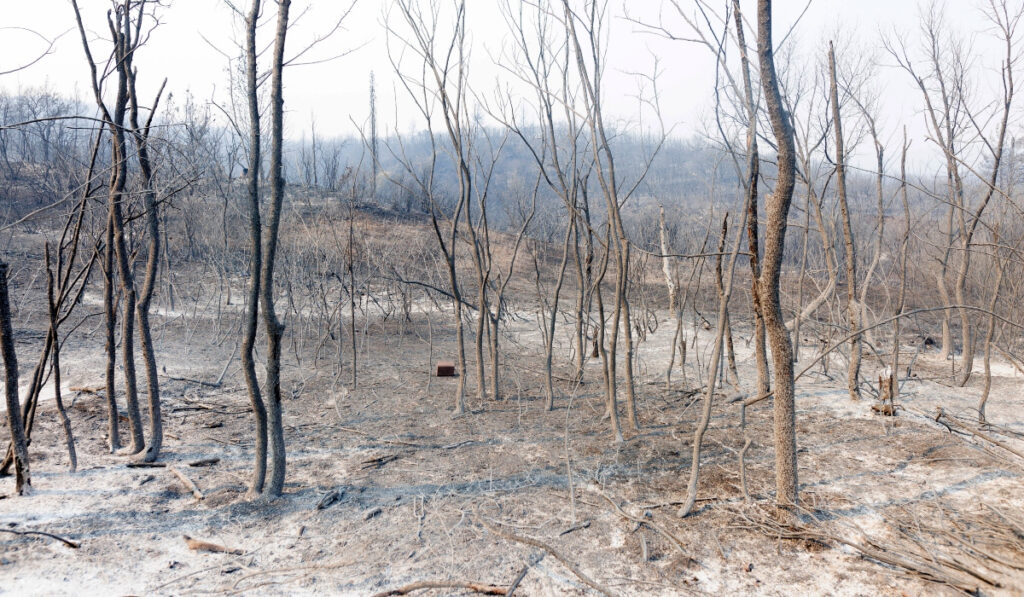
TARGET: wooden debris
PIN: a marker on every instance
(886, 409)
(966, 428)
(885, 405)
(379, 461)
(551, 550)
(329, 498)
(583, 525)
(199, 545)
(372, 513)
(191, 380)
(477, 587)
(68, 542)
(459, 444)
(915, 550)
(204, 462)
(87, 389)
(188, 482)
(519, 578)
(141, 464)
(655, 527)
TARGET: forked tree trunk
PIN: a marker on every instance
(141, 135)
(124, 44)
(720, 287)
(607, 350)
(876, 253)
(252, 382)
(750, 186)
(551, 316)
(274, 329)
(604, 163)
(627, 328)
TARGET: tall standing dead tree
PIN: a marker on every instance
(272, 326)
(127, 35)
(850, 252)
(441, 92)
(22, 479)
(776, 214)
(259, 408)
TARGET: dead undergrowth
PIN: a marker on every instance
(386, 489)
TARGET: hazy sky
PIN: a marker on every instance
(187, 48)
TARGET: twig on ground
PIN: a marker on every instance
(476, 587)
(188, 482)
(519, 578)
(68, 542)
(977, 433)
(379, 461)
(459, 445)
(657, 528)
(191, 380)
(140, 464)
(551, 550)
(582, 525)
(199, 545)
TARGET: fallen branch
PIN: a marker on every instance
(141, 464)
(977, 433)
(188, 483)
(657, 528)
(583, 525)
(444, 584)
(926, 566)
(379, 461)
(199, 545)
(1016, 363)
(191, 380)
(68, 542)
(459, 445)
(224, 371)
(329, 498)
(519, 578)
(86, 389)
(551, 550)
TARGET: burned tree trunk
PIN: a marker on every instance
(255, 256)
(273, 327)
(23, 480)
(852, 309)
(776, 213)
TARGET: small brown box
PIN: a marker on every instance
(445, 369)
